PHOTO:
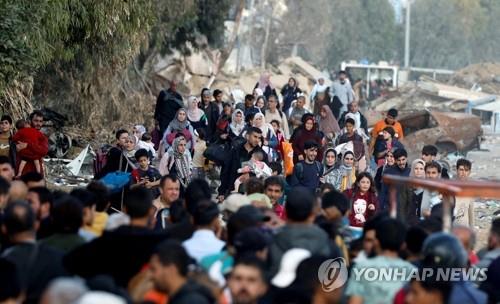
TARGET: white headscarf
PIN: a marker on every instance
(265, 127)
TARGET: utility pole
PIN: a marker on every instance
(407, 34)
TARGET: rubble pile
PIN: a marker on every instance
(484, 77)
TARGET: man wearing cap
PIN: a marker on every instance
(342, 89)
(388, 121)
(307, 172)
(211, 110)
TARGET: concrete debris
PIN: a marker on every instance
(449, 131)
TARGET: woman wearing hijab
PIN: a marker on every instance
(307, 131)
(410, 198)
(345, 175)
(269, 139)
(329, 166)
(265, 85)
(289, 93)
(195, 115)
(322, 98)
(179, 124)
(328, 125)
(177, 161)
(274, 113)
(237, 125)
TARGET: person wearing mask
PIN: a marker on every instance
(307, 172)
(343, 91)
(167, 104)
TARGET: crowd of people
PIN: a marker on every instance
(239, 200)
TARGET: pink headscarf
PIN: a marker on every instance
(328, 124)
(264, 81)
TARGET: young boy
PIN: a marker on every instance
(25, 134)
(464, 206)
(145, 176)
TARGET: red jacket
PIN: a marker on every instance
(359, 207)
(38, 146)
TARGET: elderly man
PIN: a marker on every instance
(343, 91)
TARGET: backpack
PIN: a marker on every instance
(300, 169)
(101, 158)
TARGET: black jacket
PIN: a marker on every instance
(191, 293)
(212, 114)
(37, 266)
(167, 104)
(120, 253)
(229, 173)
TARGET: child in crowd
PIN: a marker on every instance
(198, 159)
(363, 199)
(281, 138)
(145, 175)
(256, 166)
(25, 134)
(146, 143)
